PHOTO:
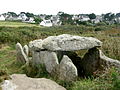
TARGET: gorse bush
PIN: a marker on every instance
(25, 34)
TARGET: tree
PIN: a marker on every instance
(92, 16)
(13, 14)
(48, 17)
(29, 14)
(118, 15)
(66, 18)
(22, 13)
(37, 20)
(81, 22)
(109, 16)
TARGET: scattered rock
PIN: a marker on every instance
(22, 82)
(21, 56)
(67, 69)
(8, 85)
(109, 61)
(68, 42)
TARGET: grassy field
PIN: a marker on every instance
(13, 32)
(16, 24)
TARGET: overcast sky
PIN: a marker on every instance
(54, 6)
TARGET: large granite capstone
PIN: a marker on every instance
(65, 42)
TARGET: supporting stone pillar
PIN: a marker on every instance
(26, 50)
(21, 56)
(95, 60)
(50, 61)
(67, 70)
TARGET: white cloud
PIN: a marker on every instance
(53, 6)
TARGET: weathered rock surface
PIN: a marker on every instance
(47, 58)
(36, 45)
(91, 61)
(36, 58)
(50, 61)
(109, 61)
(67, 70)
(68, 42)
(26, 50)
(21, 56)
(22, 82)
(95, 60)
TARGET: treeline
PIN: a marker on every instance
(77, 19)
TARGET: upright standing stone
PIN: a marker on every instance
(38, 57)
(67, 70)
(21, 56)
(26, 50)
(35, 48)
(91, 61)
(35, 58)
(50, 60)
(95, 60)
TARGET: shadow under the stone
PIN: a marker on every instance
(76, 59)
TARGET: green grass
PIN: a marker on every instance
(16, 24)
(8, 60)
(110, 80)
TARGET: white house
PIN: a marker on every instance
(22, 17)
(117, 19)
(55, 20)
(75, 17)
(29, 20)
(97, 19)
(42, 16)
(2, 18)
(46, 23)
(84, 18)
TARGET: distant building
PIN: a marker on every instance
(46, 23)
(83, 18)
(75, 17)
(42, 16)
(117, 19)
(97, 19)
(22, 17)
(56, 20)
(2, 18)
(29, 20)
